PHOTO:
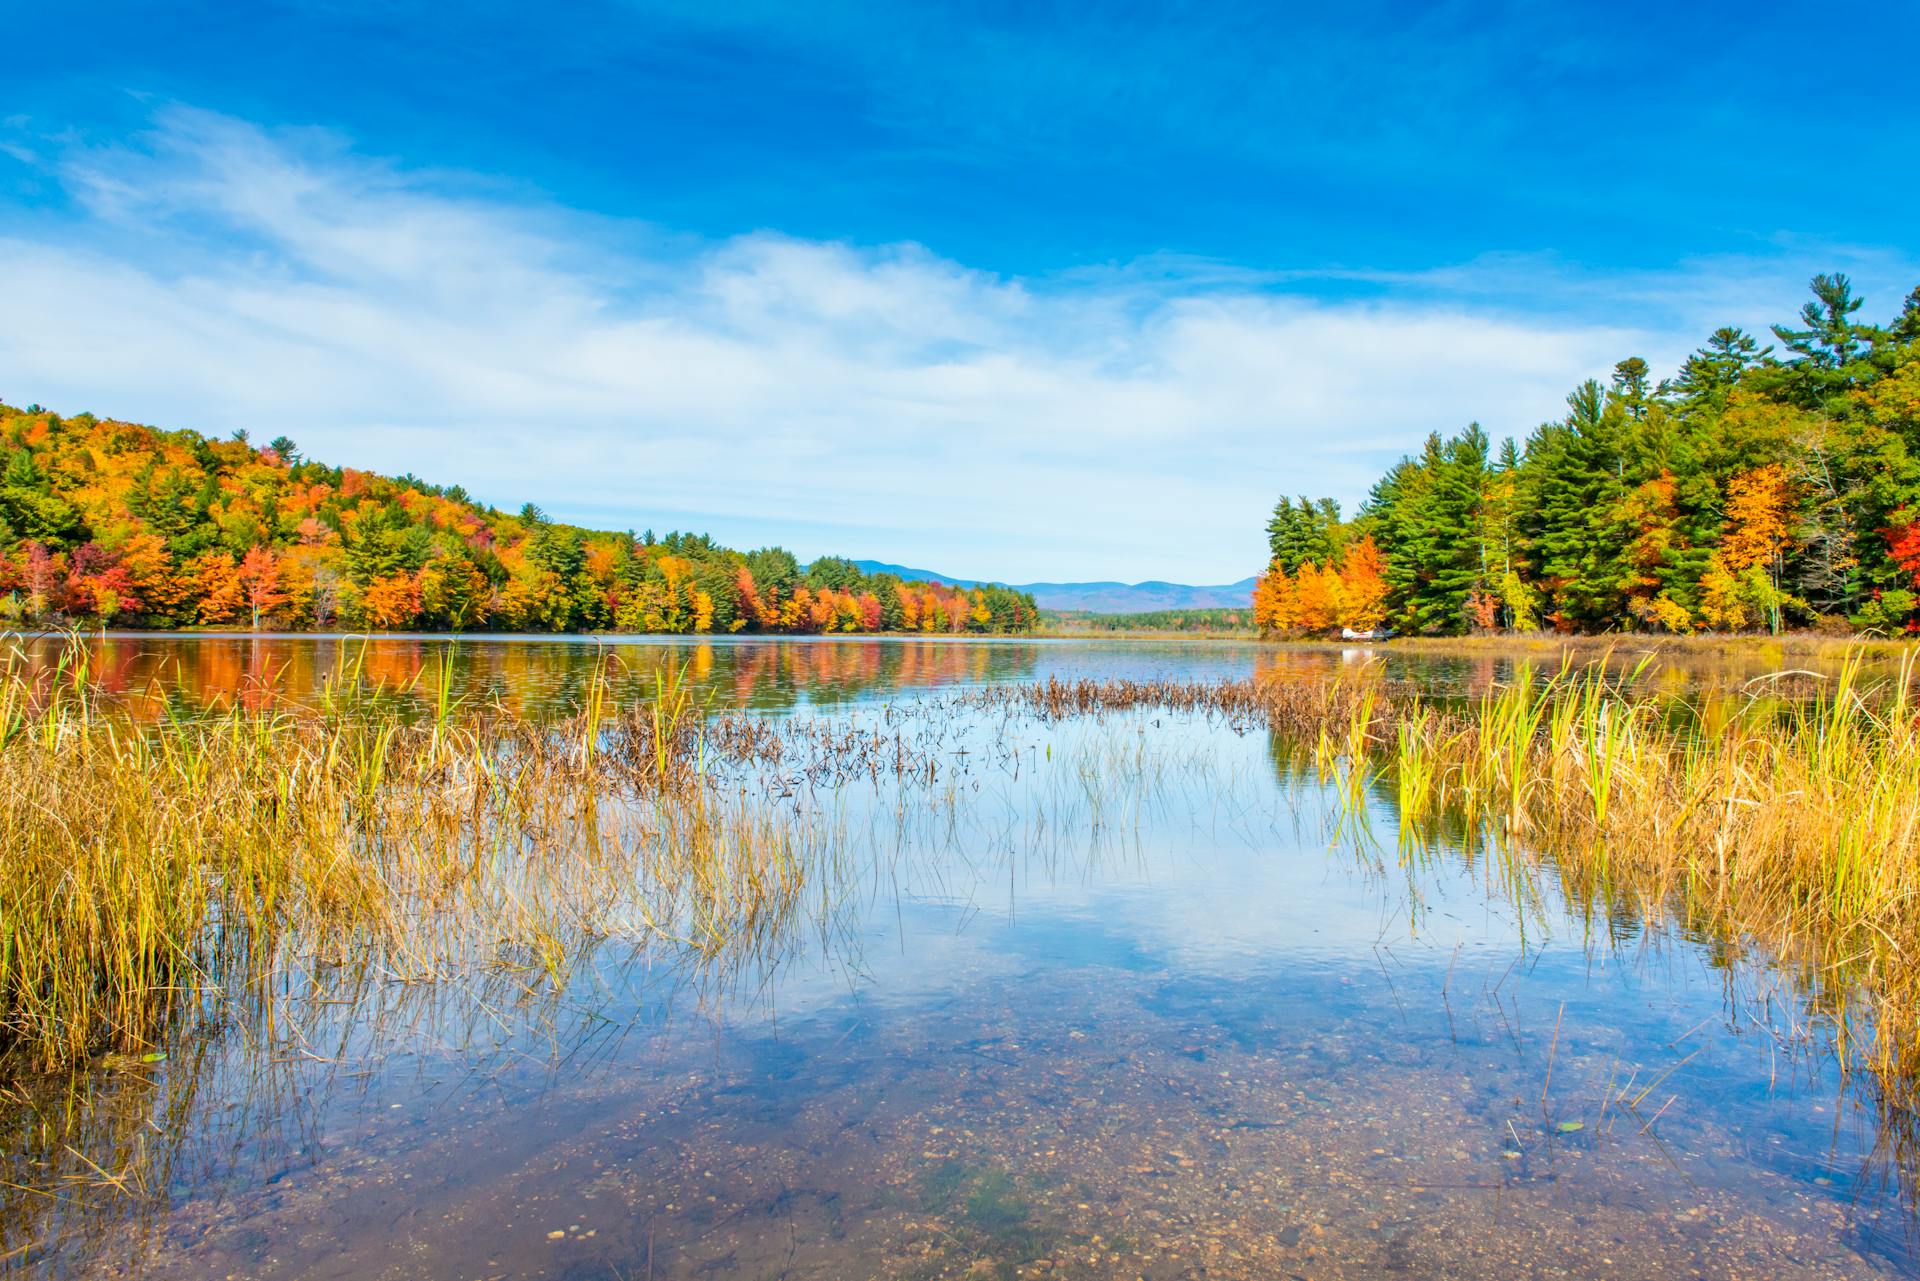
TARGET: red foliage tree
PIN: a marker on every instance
(1903, 547)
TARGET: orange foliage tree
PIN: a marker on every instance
(1363, 586)
(260, 580)
(392, 603)
(218, 586)
(1759, 510)
(1350, 591)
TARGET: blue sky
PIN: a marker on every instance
(1029, 291)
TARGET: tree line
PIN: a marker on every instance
(1757, 488)
(107, 522)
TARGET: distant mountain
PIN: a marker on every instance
(907, 574)
(1097, 598)
(1139, 598)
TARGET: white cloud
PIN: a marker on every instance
(869, 400)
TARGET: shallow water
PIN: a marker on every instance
(155, 672)
(1106, 998)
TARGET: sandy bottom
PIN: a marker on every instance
(1132, 1128)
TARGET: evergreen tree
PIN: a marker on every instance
(1715, 369)
(834, 572)
(1829, 347)
(1749, 490)
(1305, 532)
(382, 543)
(1577, 472)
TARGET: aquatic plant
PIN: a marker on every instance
(158, 870)
(1790, 821)
(1794, 823)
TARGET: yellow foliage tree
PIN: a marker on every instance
(1317, 592)
(1759, 506)
(1275, 601)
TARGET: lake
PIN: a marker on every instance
(1107, 996)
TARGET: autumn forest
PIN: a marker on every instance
(105, 522)
(1761, 488)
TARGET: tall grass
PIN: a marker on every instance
(156, 871)
(1799, 813)
(1792, 824)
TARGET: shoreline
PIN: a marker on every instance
(1540, 643)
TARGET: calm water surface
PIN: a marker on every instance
(1107, 998)
(546, 674)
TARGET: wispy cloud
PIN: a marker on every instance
(879, 400)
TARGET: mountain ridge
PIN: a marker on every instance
(1097, 597)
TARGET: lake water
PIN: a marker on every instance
(545, 674)
(1102, 997)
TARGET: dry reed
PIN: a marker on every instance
(158, 871)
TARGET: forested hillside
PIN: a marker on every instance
(1759, 487)
(111, 522)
